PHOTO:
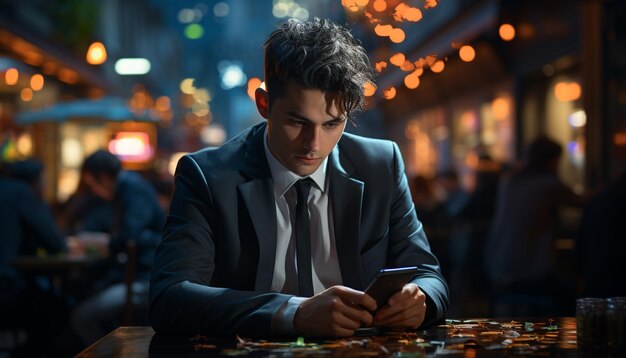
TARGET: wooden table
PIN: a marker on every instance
(457, 338)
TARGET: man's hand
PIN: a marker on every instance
(338, 311)
(405, 309)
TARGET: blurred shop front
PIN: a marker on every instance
(35, 74)
(527, 75)
(74, 129)
(58, 106)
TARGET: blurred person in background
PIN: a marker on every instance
(471, 221)
(27, 227)
(137, 220)
(425, 199)
(84, 211)
(601, 242)
(520, 251)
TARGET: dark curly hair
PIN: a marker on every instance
(317, 54)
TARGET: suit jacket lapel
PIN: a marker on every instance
(258, 197)
(346, 198)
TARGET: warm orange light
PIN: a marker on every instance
(49, 68)
(620, 139)
(11, 76)
(429, 4)
(411, 81)
(380, 66)
(389, 93)
(350, 5)
(68, 76)
(253, 84)
(163, 103)
(380, 5)
(501, 108)
(397, 35)
(467, 53)
(398, 12)
(383, 30)
(468, 120)
(407, 66)
(369, 89)
(362, 3)
(507, 32)
(96, 54)
(567, 91)
(413, 14)
(418, 71)
(405, 12)
(438, 66)
(397, 59)
(36, 82)
(26, 94)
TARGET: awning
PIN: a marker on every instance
(106, 109)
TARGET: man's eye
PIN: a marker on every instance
(298, 122)
(331, 125)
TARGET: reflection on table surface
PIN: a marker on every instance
(464, 338)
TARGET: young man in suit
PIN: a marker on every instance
(234, 257)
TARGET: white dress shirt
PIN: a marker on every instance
(325, 265)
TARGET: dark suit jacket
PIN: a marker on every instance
(213, 268)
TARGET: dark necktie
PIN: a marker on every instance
(303, 238)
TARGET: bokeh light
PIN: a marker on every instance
(411, 81)
(194, 31)
(11, 76)
(380, 5)
(507, 32)
(221, 9)
(369, 89)
(389, 93)
(397, 35)
(438, 66)
(567, 91)
(397, 59)
(36, 82)
(467, 53)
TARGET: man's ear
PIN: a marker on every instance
(262, 100)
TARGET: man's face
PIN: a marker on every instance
(303, 127)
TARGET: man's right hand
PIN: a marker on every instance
(338, 311)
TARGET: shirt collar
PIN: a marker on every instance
(284, 178)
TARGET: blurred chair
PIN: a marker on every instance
(131, 264)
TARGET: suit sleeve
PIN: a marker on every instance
(409, 246)
(182, 300)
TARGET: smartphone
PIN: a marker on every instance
(389, 281)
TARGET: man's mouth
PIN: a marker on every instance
(307, 159)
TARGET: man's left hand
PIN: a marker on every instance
(405, 309)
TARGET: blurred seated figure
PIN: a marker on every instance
(454, 197)
(471, 218)
(520, 252)
(601, 243)
(138, 221)
(26, 226)
(85, 211)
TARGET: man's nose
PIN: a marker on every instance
(312, 138)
